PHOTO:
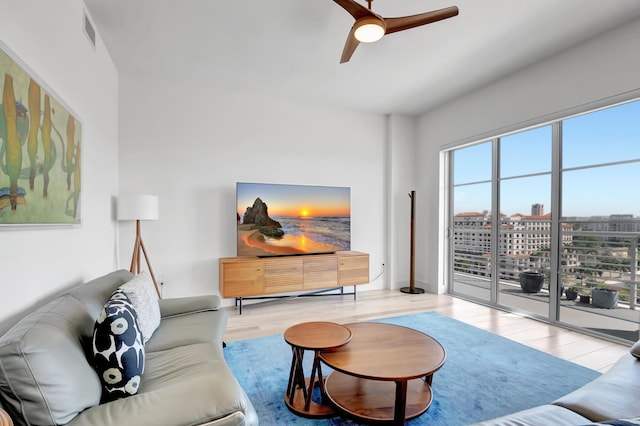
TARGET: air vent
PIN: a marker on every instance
(89, 30)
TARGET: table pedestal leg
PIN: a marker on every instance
(429, 379)
(296, 375)
(400, 403)
(312, 380)
(299, 394)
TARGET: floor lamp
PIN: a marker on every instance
(139, 207)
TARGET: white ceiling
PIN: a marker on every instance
(291, 48)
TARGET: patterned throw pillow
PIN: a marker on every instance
(118, 351)
(142, 292)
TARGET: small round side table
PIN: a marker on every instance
(317, 336)
(5, 420)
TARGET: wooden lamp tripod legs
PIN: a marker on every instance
(135, 260)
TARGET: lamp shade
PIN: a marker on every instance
(138, 207)
(369, 29)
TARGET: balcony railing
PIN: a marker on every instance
(602, 259)
(587, 259)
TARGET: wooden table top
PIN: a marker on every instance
(317, 335)
(5, 420)
(382, 351)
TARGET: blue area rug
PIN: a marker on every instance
(484, 376)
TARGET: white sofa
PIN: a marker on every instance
(46, 378)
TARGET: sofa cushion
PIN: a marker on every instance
(45, 378)
(142, 293)
(187, 385)
(613, 395)
(118, 350)
(96, 292)
(188, 305)
(181, 330)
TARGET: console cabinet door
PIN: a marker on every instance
(320, 272)
(283, 275)
(353, 269)
(242, 278)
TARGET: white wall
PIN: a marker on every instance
(190, 144)
(185, 143)
(604, 67)
(401, 180)
(37, 263)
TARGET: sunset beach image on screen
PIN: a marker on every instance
(283, 219)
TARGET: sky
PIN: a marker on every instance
(295, 200)
(605, 136)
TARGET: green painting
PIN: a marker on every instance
(40, 141)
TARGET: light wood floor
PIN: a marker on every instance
(276, 316)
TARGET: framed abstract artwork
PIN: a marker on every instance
(40, 150)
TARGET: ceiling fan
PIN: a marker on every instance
(370, 26)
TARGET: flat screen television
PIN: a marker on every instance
(283, 220)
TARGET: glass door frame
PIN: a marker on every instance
(557, 269)
(553, 314)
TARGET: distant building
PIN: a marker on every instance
(537, 209)
(523, 242)
(612, 223)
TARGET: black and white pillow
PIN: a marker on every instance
(118, 351)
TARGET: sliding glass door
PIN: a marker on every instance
(470, 228)
(539, 215)
(524, 194)
(600, 219)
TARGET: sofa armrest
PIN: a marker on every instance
(188, 305)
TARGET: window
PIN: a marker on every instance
(566, 201)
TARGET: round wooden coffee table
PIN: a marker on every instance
(316, 336)
(384, 373)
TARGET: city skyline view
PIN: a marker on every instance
(600, 157)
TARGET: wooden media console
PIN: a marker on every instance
(267, 277)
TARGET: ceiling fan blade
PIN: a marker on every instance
(406, 22)
(354, 8)
(349, 46)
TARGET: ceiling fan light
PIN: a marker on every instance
(369, 30)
